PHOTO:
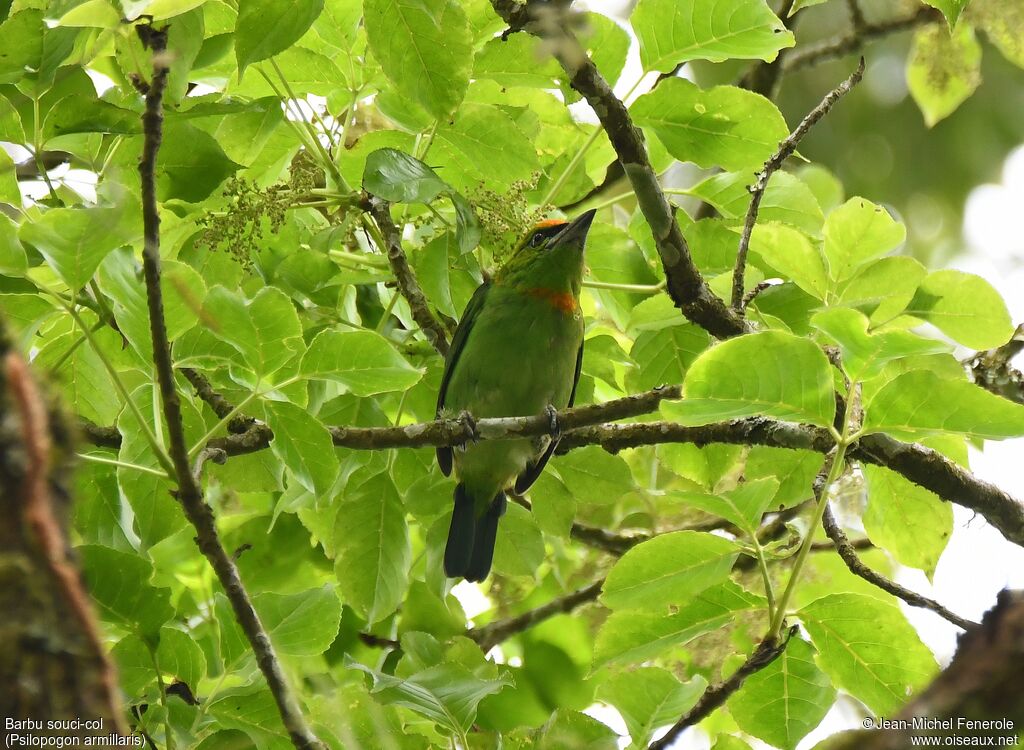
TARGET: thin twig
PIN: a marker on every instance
(858, 568)
(687, 288)
(189, 493)
(491, 635)
(406, 279)
(774, 163)
(767, 651)
(854, 40)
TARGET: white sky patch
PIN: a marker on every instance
(472, 598)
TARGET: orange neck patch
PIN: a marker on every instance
(563, 301)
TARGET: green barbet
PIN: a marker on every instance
(517, 352)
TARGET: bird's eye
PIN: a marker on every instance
(536, 240)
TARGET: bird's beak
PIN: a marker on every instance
(576, 232)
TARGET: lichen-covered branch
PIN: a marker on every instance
(993, 372)
(189, 493)
(858, 568)
(774, 163)
(587, 425)
(685, 285)
(405, 278)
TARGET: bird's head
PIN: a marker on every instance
(549, 257)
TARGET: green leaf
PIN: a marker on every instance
(267, 27)
(179, 657)
(784, 701)
(786, 200)
(771, 373)
(1000, 21)
(593, 475)
(303, 445)
(963, 306)
(742, 506)
(519, 549)
(789, 252)
(905, 519)
(668, 569)
(13, 261)
(671, 33)
(362, 361)
(943, 70)
(883, 289)
(119, 583)
(76, 240)
(571, 730)
(649, 698)
(632, 636)
(951, 9)
(921, 402)
(858, 232)
(302, 624)
(84, 381)
(80, 113)
(21, 39)
(447, 694)
(519, 60)
(663, 356)
(724, 126)
(483, 144)
(191, 164)
(424, 48)
(866, 353)
(868, 649)
(397, 177)
(264, 330)
(371, 541)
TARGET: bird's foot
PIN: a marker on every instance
(467, 421)
(554, 429)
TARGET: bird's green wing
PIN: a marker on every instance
(533, 470)
(469, 315)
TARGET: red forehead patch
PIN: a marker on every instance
(546, 223)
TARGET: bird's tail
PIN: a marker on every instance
(470, 548)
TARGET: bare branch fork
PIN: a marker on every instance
(189, 492)
(784, 151)
(854, 40)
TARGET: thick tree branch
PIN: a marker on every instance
(993, 372)
(491, 635)
(406, 279)
(854, 40)
(858, 568)
(685, 285)
(53, 664)
(189, 493)
(784, 151)
(982, 683)
(586, 425)
(767, 651)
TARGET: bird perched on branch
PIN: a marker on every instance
(517, 352)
